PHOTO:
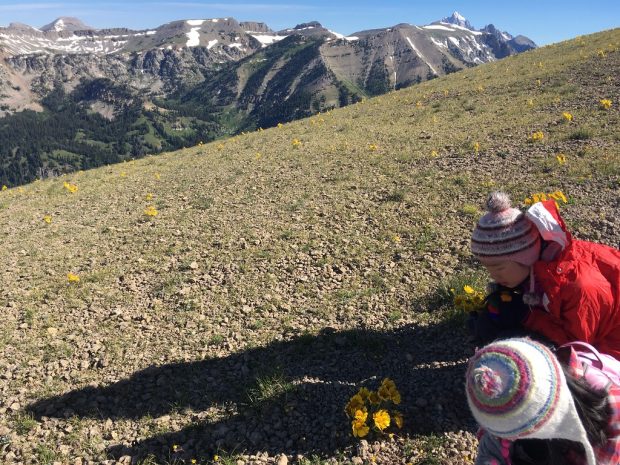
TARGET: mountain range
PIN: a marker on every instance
(196, 80)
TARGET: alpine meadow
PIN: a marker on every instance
(232, 302)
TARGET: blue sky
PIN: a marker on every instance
(542, 21)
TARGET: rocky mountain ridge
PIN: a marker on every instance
(178, 54)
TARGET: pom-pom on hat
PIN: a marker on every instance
(505, 233)
(516, 389)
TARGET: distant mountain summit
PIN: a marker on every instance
(66, 24)
(458, 20)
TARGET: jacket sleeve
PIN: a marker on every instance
(489, 451)
(584, 305)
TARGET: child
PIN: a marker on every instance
(570, 289)
(535, 410)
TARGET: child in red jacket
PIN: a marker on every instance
(570, 288)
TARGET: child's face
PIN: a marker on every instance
(508, 273)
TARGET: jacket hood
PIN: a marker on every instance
(547, 219)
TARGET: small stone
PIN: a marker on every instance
(282, 460)
(52, 331)
(193, 265)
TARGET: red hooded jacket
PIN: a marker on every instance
(580, 287)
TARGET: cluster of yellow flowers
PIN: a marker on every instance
(567, 116)
(296, 143)
(374, 404)
(541, 197)
(561, 158)
(372, 147)
(476, 147)
(150, 211)
(70, 187)
(605, 103)
(537, 136)
(73, 278)
(469, 299)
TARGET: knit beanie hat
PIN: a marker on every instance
(516, 389)
(505, 233)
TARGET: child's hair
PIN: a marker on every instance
(594, 412)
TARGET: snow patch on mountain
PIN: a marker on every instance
(422, 56)
(195, 22)
(193, 37)
(266, 39)
(438, 27)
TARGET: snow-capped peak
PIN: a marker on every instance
(459, 20)
(66, 24)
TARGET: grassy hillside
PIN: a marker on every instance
(286, 268)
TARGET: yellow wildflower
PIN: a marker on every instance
(258, 155)
(372, 147)
(605, 103)
(216, 458)
(360, 429)
(537, 136)
(296, 143)
(4, 188)
(47, 219)
(468, 289)
(123, 174)
(373, 398)
(355, 403)
(70, 187)
(148, 196)
(363, 393)
(151, 211)
(567, 116)
(530, 102)
(381, 419)
(280, 125)
(396, 238)
(220, 146)
(157, 176)
(434, 153)
(398, 418)
(361, 415)
(561, 158)
(560, 196)
(601, 53)
(175, 447)
(476, 147)
(73, 278)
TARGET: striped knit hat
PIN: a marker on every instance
(516, 389)
(504, 233)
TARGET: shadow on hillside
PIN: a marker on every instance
(304, 417)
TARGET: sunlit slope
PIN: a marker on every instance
(346, 219)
